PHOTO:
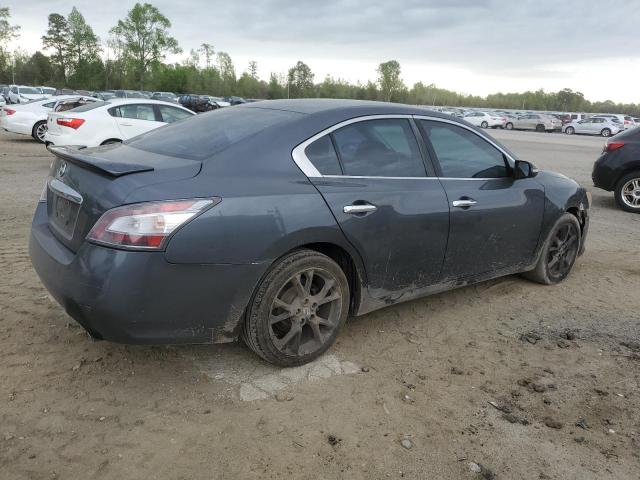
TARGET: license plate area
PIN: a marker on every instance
(63, 208)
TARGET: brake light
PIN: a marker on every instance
(146, 226)
(613, 146)
(9, 111)
(74, 123)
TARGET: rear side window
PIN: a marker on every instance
(205, 135)
(135, 112)
(463, 154)
(172, 114)
(323, 156)
(379, 148)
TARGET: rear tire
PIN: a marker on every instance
(605, 132)
(569, 130)
(297, 310)
(509, 126)
(627, 192)
(39, 130)
(559, 252)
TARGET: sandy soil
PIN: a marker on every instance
(508, 378)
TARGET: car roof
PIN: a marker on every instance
(118, 101)
(341, 107)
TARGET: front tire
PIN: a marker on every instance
(297, 310)
(559, 252)
(540, 128)
(39, 131)
(509, 126)
(484, 124)
(570, 130)
(627, 192)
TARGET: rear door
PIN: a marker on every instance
(372, 174)
(495, 220)
(135, 118)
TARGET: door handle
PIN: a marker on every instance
(464, 203)
(364, 208)
(126, 124)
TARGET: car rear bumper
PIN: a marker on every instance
(603, 176)
(139, 297)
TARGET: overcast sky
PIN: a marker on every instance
(471, 46)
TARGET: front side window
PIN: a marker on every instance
(323, 156)
(463, 154)
(379, 148)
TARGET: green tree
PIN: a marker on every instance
(389, 79)
(275, 88)
(83, 47)
(227, 73)
(145, 33)
(207, 50)
(253, 69)
(56, 39)
(300, 81)
(7, 33)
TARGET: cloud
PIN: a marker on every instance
(489, 37)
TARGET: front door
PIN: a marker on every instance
(391, 210)
(495, 220)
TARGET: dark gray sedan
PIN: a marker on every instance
(274, 221)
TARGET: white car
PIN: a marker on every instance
(594, 126)
(47, 92)
(112, 121)
(625, 120)
(31, 118)
(485, 120)
(22, 94)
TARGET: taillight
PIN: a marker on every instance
(146, 226)
(613, 146)
(74, 123)
(9, 111)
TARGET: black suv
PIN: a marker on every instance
(618, 169)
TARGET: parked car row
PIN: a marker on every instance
(14, 94)
(569, 123)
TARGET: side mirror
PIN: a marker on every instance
(524, 169)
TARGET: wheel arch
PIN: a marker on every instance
(111, 140)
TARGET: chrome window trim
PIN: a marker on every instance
(301, 160)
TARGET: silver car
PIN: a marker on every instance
(534, 121)
(594, 126)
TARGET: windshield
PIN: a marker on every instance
(202, 136)
(29, 91)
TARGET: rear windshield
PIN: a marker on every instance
(88, 106)
(204, 135)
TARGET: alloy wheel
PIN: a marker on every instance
(305, 312)
(563, 251)
(41, 131)
(630, 193)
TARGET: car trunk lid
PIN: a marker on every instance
(85, 183)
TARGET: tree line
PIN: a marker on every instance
(135, 52)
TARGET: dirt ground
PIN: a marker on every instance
(506, 379)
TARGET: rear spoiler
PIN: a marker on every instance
(99, 164)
